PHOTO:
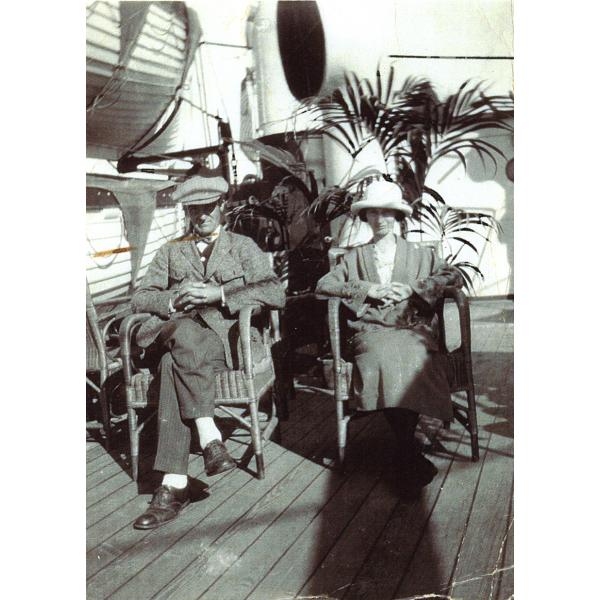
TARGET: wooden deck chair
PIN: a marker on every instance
(100, 359)
(459, 371)
(244, 387)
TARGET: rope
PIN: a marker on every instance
(202, 110)
(202, 85)
(176, 223)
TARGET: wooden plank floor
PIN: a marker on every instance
(310, 531)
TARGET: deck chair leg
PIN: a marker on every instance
(105, 414)
(256, 438)
(134, 441)
(473, 424)
(260, 466)
(341, 456)
(342, 430)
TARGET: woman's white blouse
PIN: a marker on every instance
(384, 262)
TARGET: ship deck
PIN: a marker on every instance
(309, 530)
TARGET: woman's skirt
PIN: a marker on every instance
(400, 368)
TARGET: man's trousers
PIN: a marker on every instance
(194, 353)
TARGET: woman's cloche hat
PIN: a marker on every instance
(382, 194)
(200, 190)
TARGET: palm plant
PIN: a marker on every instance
(256, 208)
(411, 125)
(414, 129)
(269, 208)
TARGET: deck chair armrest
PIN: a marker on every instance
(271, 328)
(244, 319)
(113, 301)
(457, 295)
(125, 339)
(275, 325)
(107, 326)
(102, 346)
(464, 314)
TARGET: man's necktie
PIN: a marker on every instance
(209, 239)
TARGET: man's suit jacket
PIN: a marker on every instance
(236, 263)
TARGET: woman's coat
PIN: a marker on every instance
(394, 347)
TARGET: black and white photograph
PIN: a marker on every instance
(299, 261)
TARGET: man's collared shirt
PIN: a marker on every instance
(203, 243)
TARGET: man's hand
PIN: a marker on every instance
(193, 294)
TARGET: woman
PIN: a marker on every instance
(390, 287)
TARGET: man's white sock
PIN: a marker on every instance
(175, 480)
(207, 431)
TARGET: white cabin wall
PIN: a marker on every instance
(110, 276)
(471, 28)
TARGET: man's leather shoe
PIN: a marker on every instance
(166, 504)
(217, 459)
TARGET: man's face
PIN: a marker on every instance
(205, 218)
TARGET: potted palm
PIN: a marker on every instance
(414, 130)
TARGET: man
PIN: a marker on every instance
(194, 287)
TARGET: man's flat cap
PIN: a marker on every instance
(200, 190)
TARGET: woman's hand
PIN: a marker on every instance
(379, 291)
(402, 291)
(390, 294)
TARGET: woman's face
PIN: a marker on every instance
(381, 220)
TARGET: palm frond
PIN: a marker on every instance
(330, 204)
(464, 242)
(390, 84)
(280, 158)
(351, 87)
(465, 268)
(349, 114)
(345, 142)
(362, 175)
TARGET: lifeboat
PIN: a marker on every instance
(138, 58)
